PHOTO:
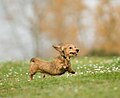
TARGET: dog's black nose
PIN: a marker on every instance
(77, 50)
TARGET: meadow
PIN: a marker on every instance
(96, 77)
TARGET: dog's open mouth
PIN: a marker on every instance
(73, 53)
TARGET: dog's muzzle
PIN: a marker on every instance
(73, 53)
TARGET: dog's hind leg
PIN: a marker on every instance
(43, 75)
(31, 75)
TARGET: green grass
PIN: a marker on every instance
(96, 77)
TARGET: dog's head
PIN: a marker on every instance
(67, 50)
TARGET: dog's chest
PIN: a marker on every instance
(64, 64)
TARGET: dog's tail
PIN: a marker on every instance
(32, 60)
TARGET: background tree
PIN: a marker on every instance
(107, 27)
(59, 19)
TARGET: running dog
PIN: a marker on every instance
(59, 66)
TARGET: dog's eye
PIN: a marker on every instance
(70, 47)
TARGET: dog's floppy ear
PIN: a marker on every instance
(57, 47)
(60, 48)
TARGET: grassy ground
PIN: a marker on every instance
(96, 77)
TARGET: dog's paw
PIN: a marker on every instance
(73, 72)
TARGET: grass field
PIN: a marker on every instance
(96, 77)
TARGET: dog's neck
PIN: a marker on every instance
(64, 58)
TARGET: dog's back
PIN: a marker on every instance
(52, 68)
(37, 64)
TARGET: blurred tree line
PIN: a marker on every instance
(107, 19)
(63, 21)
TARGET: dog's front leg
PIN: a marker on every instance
(70, 70)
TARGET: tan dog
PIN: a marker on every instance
(57, 67)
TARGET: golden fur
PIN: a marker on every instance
(59, 66)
